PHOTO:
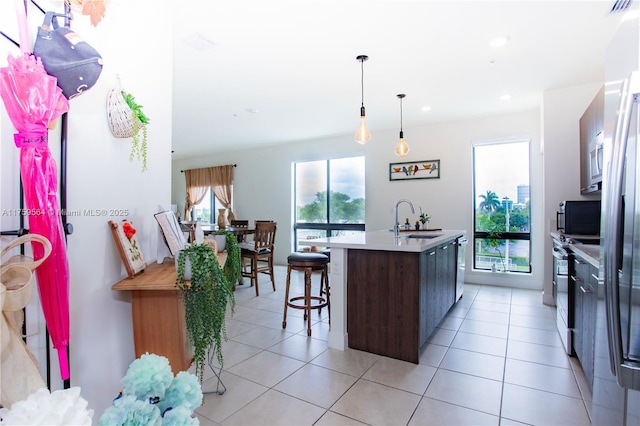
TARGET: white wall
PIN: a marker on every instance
(561, 134)
(263, 181)
(100, 176)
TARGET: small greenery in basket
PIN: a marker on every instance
(233, 264)
(206, 299)
(140, 121)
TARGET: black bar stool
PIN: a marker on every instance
(307, 262)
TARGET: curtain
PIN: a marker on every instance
(221, 181)
(198, 181)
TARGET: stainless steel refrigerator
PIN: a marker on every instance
(616, 386)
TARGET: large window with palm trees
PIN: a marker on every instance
(502, 232)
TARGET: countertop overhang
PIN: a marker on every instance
(416, 241)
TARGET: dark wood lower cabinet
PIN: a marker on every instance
(586, 285)
(395, 300)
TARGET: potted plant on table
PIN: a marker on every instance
(206, 298)
(424, 219)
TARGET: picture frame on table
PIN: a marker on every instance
(124, 235)
(427, 169)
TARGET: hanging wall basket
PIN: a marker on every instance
(119, 113)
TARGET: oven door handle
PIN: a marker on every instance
(560, 254)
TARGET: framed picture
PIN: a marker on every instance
(124, 235)
(428, 169)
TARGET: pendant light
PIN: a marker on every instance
(402, 148)
(362, 134)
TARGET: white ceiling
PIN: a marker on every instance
(250, 73)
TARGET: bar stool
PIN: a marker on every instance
(307, 262)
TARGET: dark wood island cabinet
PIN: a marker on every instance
(396, 299)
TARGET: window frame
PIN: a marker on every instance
(505, 236)
(328, 227)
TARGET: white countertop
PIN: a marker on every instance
(590, 252)
(384, 240)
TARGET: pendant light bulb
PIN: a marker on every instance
(402, 148)
(362, 134)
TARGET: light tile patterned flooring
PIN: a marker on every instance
(496, 359)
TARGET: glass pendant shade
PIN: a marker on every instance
(362, 134)
(402, 148)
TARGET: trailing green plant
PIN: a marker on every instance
(140, 121)
(206, 299)
(233, 264)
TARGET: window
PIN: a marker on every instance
(204, 210)
(328, 198)
(502, 232)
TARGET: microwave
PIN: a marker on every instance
(579, 217)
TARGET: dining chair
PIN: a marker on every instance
(239, 223)
(257, 255)
(236, 223)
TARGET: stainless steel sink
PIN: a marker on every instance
(423, 236)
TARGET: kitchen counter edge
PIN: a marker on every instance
(385, 240)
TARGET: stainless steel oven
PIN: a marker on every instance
(563, 293)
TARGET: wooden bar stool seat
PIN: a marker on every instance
(308, 263)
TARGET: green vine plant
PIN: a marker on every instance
(233, 264)
(140, 121)
(206, 298)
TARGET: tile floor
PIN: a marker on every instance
(496, 359)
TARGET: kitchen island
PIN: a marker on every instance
(389, 293)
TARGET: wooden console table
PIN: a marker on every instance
(158, 314)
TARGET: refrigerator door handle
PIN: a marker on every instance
(625, 374)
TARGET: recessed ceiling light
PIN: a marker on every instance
(252, 110)
(198, 41)
(505, 97)
(426, 108)
(499, 41)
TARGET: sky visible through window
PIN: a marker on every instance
(501, 168)
(346, 177)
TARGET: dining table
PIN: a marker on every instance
(238, 231)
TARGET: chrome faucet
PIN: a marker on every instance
(396, 226)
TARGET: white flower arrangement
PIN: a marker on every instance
(60, 407)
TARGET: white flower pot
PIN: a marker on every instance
(221, 241)
(187, 266)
